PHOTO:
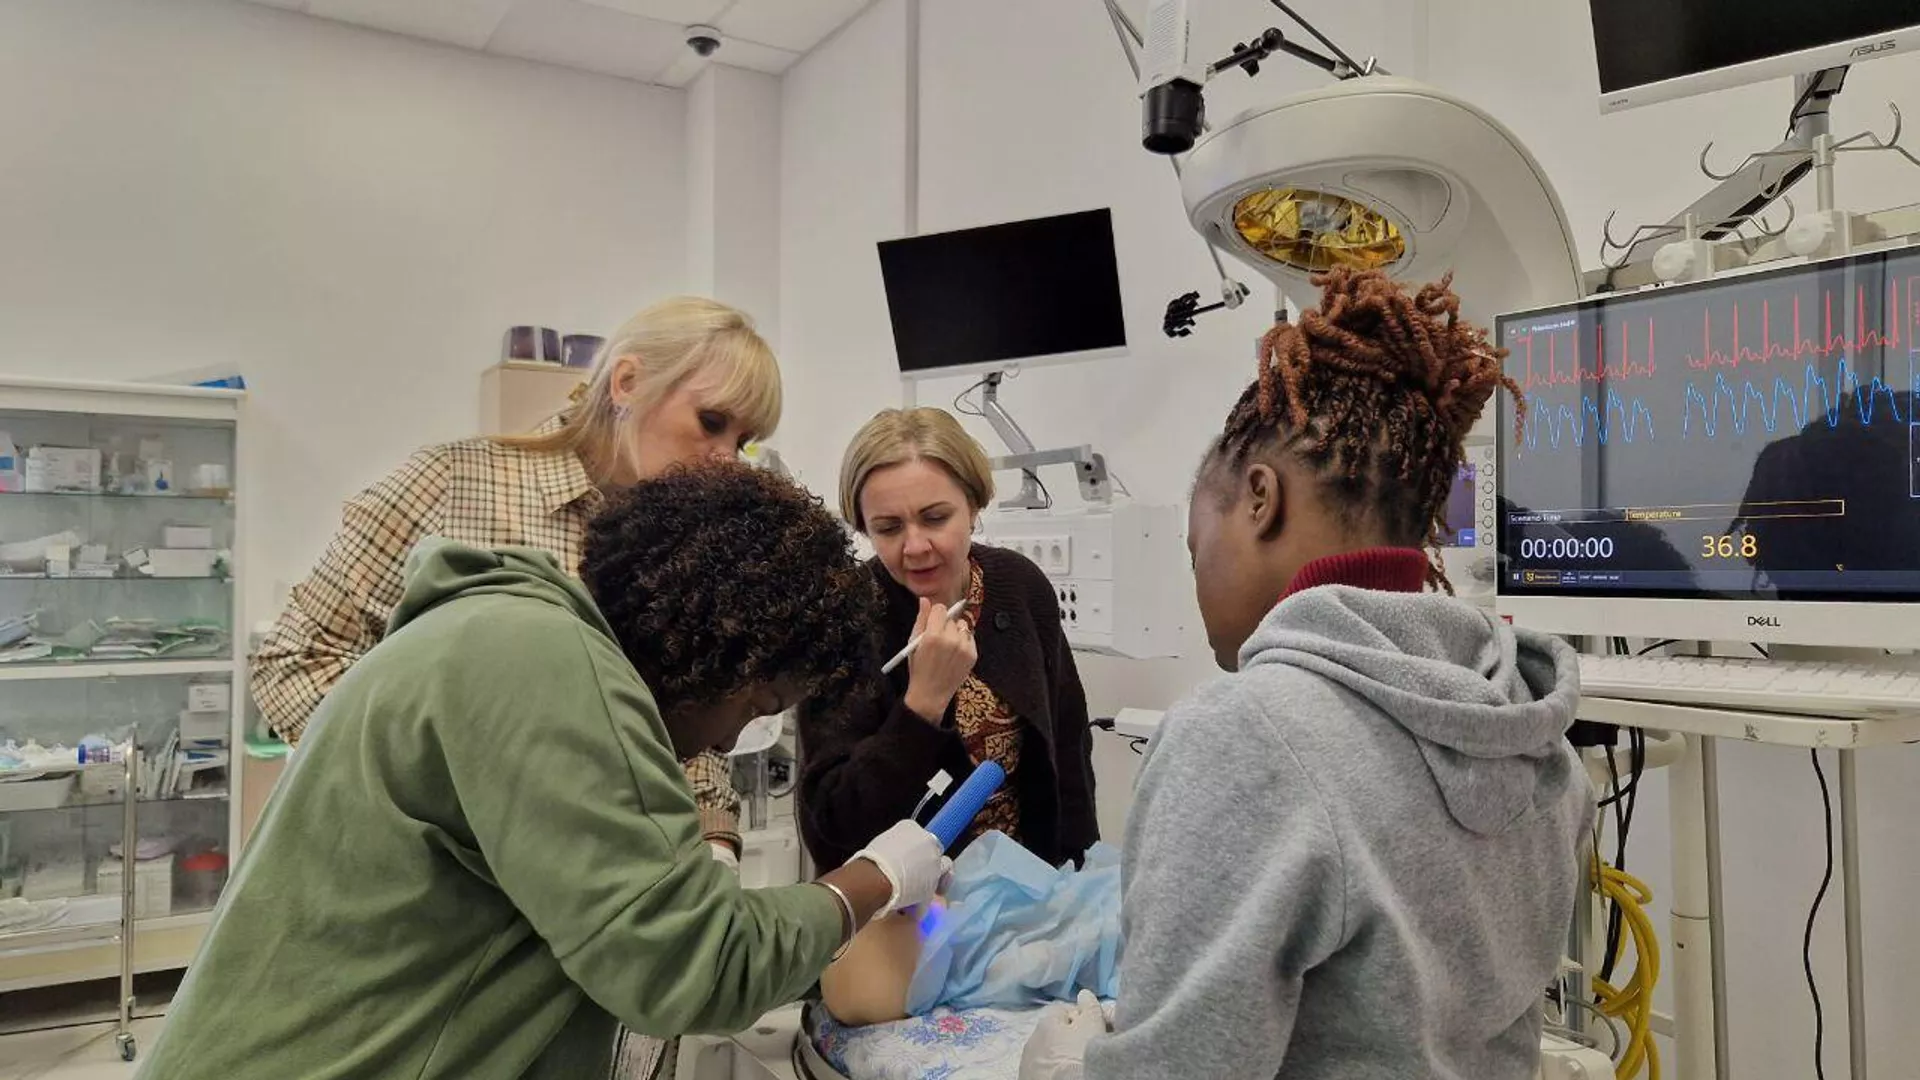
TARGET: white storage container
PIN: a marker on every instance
(180, 562)
(186, 536)
(35, 794)
(54, 880)
(152, 885)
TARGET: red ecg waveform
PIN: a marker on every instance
(1624, 369)
(1564, 365)
(1844, 341)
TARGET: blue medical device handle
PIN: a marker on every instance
(954, 817)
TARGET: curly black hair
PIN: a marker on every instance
(721, 576)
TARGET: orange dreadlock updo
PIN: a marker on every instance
(1376, 390)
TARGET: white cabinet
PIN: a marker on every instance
(119, 597)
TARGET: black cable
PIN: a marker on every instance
(1320, 37)
(1658, 645)
(1107, 723)
(1044, 493)
(1622, 793)
(959, 401)
(1613, 921)
(1793, 114)
(1761, 649)
(1806, 943)
(1624, 801)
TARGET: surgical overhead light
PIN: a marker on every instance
(1312, 231)
(1371, 172)
(1383, 173)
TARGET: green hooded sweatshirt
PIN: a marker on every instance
(483, 854)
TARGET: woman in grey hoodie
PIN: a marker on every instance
(1357, 855)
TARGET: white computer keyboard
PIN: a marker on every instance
(1804, 688)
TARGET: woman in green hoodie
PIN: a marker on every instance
(486, 854)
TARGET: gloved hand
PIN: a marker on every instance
(1057, 1049)
(724, 855)
(913, 862)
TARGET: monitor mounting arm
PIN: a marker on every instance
(1740, 196)
(1090, 468)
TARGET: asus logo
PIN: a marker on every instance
(1874, 47)
(1764, 620)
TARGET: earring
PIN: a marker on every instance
(622, 411)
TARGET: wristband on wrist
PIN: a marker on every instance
(849, 922)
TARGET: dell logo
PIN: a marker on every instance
(1764, 620)
(1871, 48)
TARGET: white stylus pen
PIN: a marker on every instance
(901, 656)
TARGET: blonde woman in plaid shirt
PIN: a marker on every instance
(685, 379)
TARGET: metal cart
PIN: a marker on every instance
(120, 931)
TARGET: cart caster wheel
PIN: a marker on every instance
(127, 1047)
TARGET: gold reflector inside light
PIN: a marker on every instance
(1314, 231)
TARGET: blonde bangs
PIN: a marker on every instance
(749, 381)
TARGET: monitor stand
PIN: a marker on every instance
(1090, 468)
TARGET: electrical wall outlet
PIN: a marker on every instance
(1054, 554)
(1119, 574)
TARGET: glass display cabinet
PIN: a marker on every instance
(121, 683)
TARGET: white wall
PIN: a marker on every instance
(843, 182)
(350, 217)
(1532, 65)
(1042, 119)
(733, 172)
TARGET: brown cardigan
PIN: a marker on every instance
(867, 762)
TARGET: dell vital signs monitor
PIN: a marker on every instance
(1733, 460)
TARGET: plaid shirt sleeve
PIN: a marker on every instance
(711, 777)
(340, 611)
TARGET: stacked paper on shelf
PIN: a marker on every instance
(179, 771)
(19, 916)
(28, 558)
(118, 639)
(62, 468)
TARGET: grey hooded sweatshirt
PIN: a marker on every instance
(1356, 858)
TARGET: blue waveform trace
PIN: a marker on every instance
(1740, 402)
(1557, 419)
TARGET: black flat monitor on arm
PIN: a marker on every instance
(974, 301)
(1657, 50)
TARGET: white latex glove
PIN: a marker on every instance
(724, 855)
(1057, 1049)
(913, 861)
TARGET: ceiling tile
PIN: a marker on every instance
(677, 12)
(589, 37)
(793, 25)
(755, 57)
(458, 22)
(683, 69)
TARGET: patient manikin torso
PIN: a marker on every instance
(1012, 932)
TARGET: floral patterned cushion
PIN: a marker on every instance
(971, 1044)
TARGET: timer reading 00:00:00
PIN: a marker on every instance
(1566, 547)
